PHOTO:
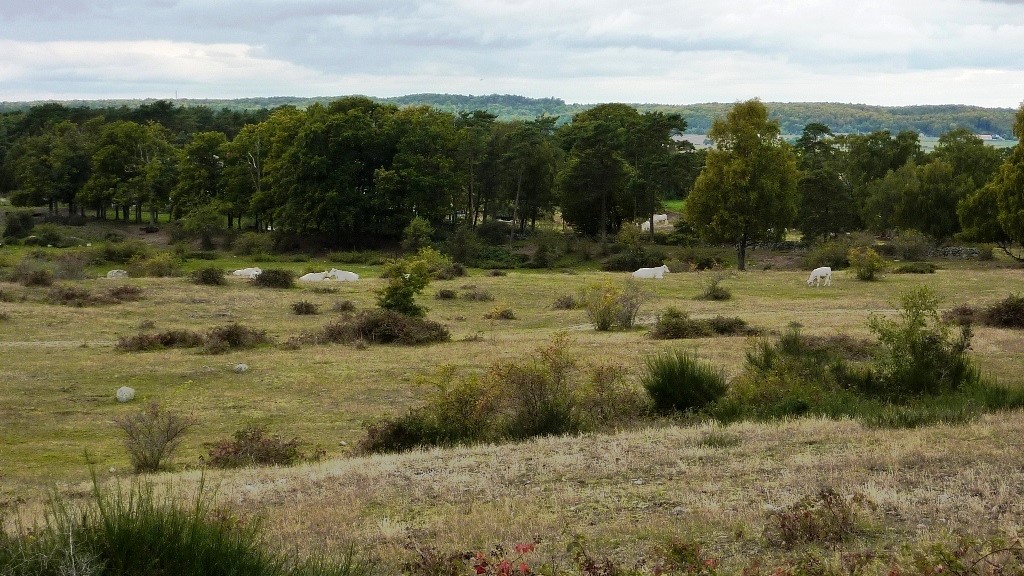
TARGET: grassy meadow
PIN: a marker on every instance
(626, 493)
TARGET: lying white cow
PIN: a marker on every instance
(314, 277)
(658, 272)
(247, 272)
(343, 275)
(823, 274)
(117, 274)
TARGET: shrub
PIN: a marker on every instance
(500, 313)
(252, 446)
(911, 245)
(476, 294)
(152, 436)
(209, 276)
(400, 293)
(673, 323)
(825, 518)
(1007, 313)
(32, 271)
(608, 305)
(71, 265)
(304, 308)
(161, 264)
(494, 232)
(496, 273)
(344, 306)
(121, 252)
(712, 288)
(159, 341)
(274, 278)
(233, 336)
(69, 296)
(962, 315)
(832, 253)
(866, 263)
(382, 327)
(918, 354)
(916, 268)
(446, 294)
(565, 302)
(677, 381)
(18, 223)
(253, 244)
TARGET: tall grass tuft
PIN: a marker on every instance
(133, 531)
(676, 381)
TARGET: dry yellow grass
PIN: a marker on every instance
(59, 370)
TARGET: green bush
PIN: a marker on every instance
(400, 293)
(161, 264)
(209, 276)
(417, 234)
(18, 223)
(274, 278)
(918, 352)
(121, 252)
(253, 244)
(673, 324)
(866, 263)
(494, 232)
(152, 436)
(911, 245)
(833, 253)
(916, 268)
(677, 381)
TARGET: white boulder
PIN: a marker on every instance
(125, 394)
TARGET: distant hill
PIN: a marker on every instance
(929, 120)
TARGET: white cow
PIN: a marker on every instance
(117, 274)
(314, 277)
(658, 219)
(343, 275)
(822, 274)
(658, 272)
(247, 272)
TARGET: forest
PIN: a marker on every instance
(355, 172)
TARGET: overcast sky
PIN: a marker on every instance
(891, 52)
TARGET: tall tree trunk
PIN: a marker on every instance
(741, 253)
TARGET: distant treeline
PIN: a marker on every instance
(931, 120)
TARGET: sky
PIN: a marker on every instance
(891, 52)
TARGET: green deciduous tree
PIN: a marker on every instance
(747, 191)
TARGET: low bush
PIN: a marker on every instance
(915, 268)
(673, 324)
(33, 271)
(160, 265)
(548, 392)
(274, 278)
(343, 306)
(446, 294)
(304, 308)
(381, 327)
(125, 293)
(496, 273)
(121, 252)
(961, 315)
(500, 313)
(253, 446)
(68, 295)
(159, 341)
(232, 337)
(71, 265)
(1007, 313)
(475, 294)
(712, 289)
(565, 302)
(825, 518)
(152, 436)
(209, 276)
(677, 381)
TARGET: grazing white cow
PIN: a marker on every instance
(823, 274)
(658, 272)
(247, 272)
(117, 274)
(343, 275)
(658, 219)
(314, 277)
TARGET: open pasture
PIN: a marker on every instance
(59, 370)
